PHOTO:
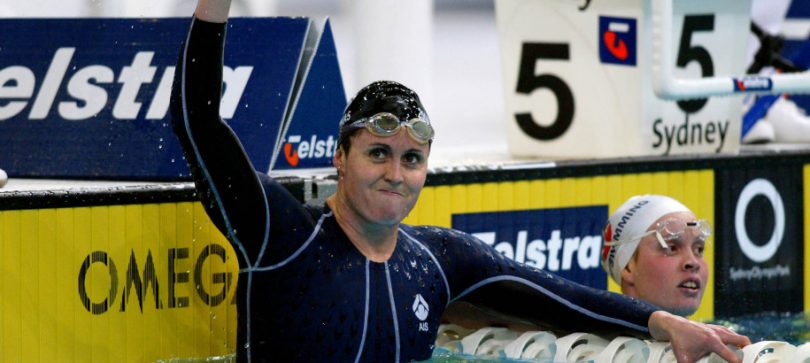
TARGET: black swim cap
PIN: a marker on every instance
(382, 96)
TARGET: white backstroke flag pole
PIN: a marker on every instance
(668, 87)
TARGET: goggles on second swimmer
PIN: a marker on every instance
(671, 229)
(387, 124)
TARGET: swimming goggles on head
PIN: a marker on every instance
(672, 229)
(387, 124)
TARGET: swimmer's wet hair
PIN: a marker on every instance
(380, 96)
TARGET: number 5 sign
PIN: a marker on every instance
(578, 77)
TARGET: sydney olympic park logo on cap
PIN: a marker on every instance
(565, 241)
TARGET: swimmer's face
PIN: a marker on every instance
(674, 278)
(381, 177)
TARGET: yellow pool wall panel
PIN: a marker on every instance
(79, 284)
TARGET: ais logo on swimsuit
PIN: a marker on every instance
(617, 40)
(421, 310)
(566, 241)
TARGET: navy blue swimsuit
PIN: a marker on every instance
(306, 294)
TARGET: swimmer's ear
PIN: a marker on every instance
(627, 273)
(337, 159)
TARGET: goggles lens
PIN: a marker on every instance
(386, 124)
(672, 229)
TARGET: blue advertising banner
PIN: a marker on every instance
(310, 138)
(565, 241)
(90, 97)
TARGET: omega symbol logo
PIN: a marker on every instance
(749, 248)
(420, 307)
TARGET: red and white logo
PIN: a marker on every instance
(297, 149)
(608, 250)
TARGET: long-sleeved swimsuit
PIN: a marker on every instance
(306, 294)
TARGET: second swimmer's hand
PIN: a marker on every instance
(691, 340)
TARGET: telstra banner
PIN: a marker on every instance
(90, 97)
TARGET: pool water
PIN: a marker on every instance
(793, 328)
(443, 356)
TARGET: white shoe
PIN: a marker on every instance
(3, 178)
(624, 350)
(449, 337)
(533, 345)
(790, 124)
(578, 347)
(714, 358)
(768, 352)
(660, 352)
(802, 354)
(761, 133)
(487, 341)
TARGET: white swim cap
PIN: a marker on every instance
(631, 220)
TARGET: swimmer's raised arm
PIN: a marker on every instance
(227, 182)
(215, 11)
(691, 340)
